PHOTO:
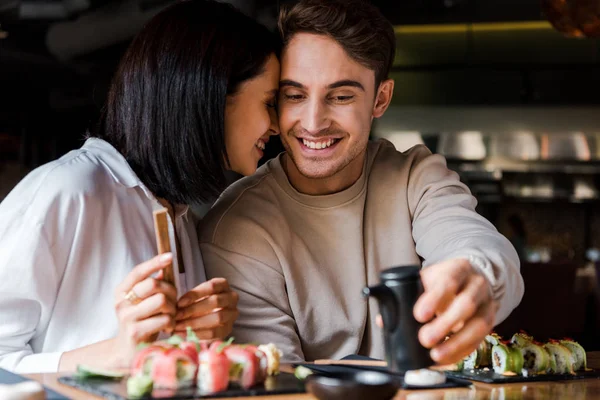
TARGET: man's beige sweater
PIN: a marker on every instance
(299, 262)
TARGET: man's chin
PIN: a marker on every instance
(316, 171)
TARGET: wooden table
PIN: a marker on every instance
(570, 390)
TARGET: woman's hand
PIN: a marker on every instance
(145, 306)
(209, 309)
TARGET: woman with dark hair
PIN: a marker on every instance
(193, 97)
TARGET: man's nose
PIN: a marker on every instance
(315, 117)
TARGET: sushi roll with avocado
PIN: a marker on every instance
(578, 351)
(493, 339)
(506, 359)
(563, 358)
(535, 358)
(521, 339)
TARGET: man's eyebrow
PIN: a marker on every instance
(346, 82)
(288, 82)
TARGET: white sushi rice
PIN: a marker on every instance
(424, 377)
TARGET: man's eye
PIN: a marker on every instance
(271, 104)
(342, 99)
(293, 97)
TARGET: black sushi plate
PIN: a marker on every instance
(284, 383)
(489, 376)
(344, 370)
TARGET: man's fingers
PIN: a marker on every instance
(464, 342)
(208, 305)
(144, 270)
(214, 286)
(210, 321)
(463, 307)
(432, 302)
(439, 292)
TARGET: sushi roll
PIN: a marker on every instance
(521, 339)
(536, 359)
(263, 361)
(578, 351)
(506, 359)
(213, 371)
(246, 365)
(480, 357)
(563, 358)
(493, 339)
(142, 362)
(173, 369)
(273, 357)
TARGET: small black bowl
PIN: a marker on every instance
(360, 385)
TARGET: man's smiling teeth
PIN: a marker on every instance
(260, 144)
(318, 145)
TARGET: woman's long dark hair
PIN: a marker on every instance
(165, 109)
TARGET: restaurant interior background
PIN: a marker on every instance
(511, 102)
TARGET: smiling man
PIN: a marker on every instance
(300, 239)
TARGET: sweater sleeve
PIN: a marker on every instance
(265, 314)
(446, 226)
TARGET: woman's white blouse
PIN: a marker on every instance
(69, 234)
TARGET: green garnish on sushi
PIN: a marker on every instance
(139, 386)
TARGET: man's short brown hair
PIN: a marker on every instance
(358, 26)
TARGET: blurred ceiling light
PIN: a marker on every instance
(565, 146)
(466, 145)
(404, 140)
(519, 145)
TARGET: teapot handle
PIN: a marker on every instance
(388, 305)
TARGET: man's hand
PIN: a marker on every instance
(461, 300)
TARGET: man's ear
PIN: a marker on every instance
(383, 98)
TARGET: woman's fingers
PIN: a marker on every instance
(209, 321)
(154, 305)
(208, 305)
(208, 288)
(151, 286)
(218, 332)
(141, 330)
(143, 271)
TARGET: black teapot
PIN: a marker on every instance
(397, 294)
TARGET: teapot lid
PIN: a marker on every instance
(401, 273)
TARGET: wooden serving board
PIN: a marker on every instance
(284, 383)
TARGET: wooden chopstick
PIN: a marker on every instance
(363, 363)
(163, 243)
